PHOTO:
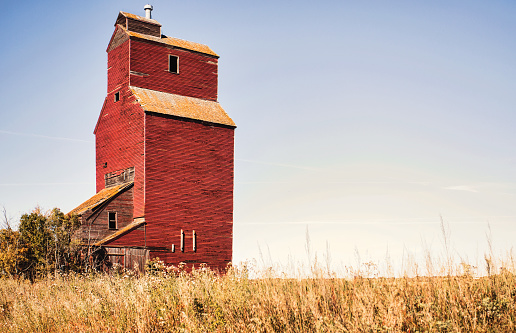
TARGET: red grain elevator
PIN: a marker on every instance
(164, 153)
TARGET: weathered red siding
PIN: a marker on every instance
(197, 75)
(189, 186)
(144, 27)
(134, 237)
(118, 66)
(119, 142)
(183, 168)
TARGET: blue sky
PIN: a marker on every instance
(361, 122)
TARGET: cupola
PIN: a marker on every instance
(140, 24)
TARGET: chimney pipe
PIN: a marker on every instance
(148, 9)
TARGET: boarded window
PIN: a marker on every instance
(173, 64)
(112, 220)
(117, 96)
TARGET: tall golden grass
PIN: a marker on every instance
(202, 301)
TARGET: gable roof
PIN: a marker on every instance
(181, 106)
(118, 37)
(99, 198)
(137, 18)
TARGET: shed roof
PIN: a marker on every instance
(123, 231)
(181, 106)
(99, 198)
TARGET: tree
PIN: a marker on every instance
(48, 239)
(61, 228)
(13, 254)
(35, 234)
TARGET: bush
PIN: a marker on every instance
(43, 244)
(13, 253)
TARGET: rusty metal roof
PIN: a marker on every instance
(184, 44)
(181, 106)
(99, 198)
(124, 230)
(139, 18)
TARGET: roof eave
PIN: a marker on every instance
(213, 54)
(137, 17)
(120, 233)
(206, 122)
(101, 203)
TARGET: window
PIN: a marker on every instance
(112, 220)
(194, 237)
(117, 96)
(173, 64)
(182, 241)
(173, 249)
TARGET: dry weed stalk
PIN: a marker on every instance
(203, 301)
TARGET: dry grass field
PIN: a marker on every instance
(202, 301)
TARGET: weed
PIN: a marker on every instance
(202, 301)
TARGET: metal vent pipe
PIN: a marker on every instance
(148, 9)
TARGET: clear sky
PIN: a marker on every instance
(362, 122)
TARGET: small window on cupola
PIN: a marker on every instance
(173, 64)
(117, 96)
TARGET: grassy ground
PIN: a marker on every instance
(206, 302)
